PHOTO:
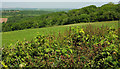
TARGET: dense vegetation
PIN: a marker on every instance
(89, 47)
(107, 12)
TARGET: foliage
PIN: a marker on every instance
(110, 56)
(77, 47)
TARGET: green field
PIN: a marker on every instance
(0, 39)
(28, 34)
(0, 26)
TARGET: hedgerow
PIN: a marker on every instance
(76, 48)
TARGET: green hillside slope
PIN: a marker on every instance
(28, 34)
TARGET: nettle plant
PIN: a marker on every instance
(110, 56)
(77, 47)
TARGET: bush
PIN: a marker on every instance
(81, 48)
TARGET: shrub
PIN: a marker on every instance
(77, 47)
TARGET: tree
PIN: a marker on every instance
(111, 3)
(84, 18)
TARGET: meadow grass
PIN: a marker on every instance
(0, 34)
(0, 26)
(28, 34)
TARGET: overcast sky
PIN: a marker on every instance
(59, 0)
(53, 3)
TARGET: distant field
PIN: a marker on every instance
(6, 13)
(28, 34)
(0, 24)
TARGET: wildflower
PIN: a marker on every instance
(3, 64)
(82, 31)
(114, 52)
(22, 65)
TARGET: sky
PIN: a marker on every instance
(49, 4)
(59, 0)
(53, 3)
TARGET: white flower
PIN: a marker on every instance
(22, 65)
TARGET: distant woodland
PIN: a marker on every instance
(25, 20)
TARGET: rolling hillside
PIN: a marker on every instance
(28, 34)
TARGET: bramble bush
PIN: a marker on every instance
(77, 47)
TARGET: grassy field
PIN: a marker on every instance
(0, 34)
(0, 27)
(28, 34)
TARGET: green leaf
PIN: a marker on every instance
(109, 58)
(57, 50)
(47, 50)
(79, 36)
(64, 50)
(71, 50)
(46, 54)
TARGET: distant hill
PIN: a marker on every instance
(43, 9)
(92, 13)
